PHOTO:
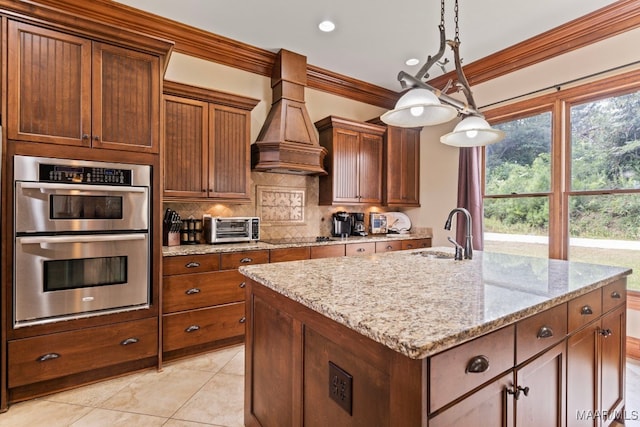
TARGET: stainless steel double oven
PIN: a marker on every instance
(81, 239)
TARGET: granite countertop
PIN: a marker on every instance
(421, 305)
(200, 249)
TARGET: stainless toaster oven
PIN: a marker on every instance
(231, 229)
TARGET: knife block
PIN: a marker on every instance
(170, 238)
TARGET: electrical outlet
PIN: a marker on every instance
(340, 386)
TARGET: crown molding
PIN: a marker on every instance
(606, 22)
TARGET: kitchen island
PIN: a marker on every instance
(415, 338)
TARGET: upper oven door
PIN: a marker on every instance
(42, 207)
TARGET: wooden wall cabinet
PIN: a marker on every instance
(401, 183)
(67, 89)
(353, 162)
(207, 144)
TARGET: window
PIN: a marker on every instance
(565, 182)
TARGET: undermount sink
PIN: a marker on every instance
(435, 254)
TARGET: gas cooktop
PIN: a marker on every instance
(289, 240)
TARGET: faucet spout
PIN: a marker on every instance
(468, 243)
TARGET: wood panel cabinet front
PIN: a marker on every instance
(289, 254)
(191, 291)
(45, 357)
(327, 251)
(401, 185)
(207, 144)
(353, 162)
(70, 90)
(416, 244)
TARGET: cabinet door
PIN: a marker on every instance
(613, 359)
(185, 147)
(543, 381)
(126, 99)
(346, 146)
(488, 406)
(49, 86)
(582, 373)
(402, 162)
(370, 169)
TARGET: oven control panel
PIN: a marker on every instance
(84, 175)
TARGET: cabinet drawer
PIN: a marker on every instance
(232, 260)
(189, 328)
(190, 264)
(614, 295)
(584, 309)
(416, 244)
(360, 248)
(189, 291)
(288, 254)
(451, 373)
(56, 355)
(328, 251)
(539, 332)
(394, 245)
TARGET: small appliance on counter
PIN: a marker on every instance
(341, 224)
(357, 224)
(377, 223)
(231, 229)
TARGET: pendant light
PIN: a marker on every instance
(424, 105)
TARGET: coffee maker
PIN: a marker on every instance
(341, 224)
(357, 224)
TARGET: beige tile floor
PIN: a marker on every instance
(203, 391)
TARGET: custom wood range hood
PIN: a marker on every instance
(287, 142)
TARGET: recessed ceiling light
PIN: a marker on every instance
(412, 61)
(327, 26)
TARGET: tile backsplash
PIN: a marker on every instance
(286, 204)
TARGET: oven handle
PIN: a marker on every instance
(82, 239)
(42, 186)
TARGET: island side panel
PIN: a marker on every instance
(293, 345)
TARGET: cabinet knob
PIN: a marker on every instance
(129, 341)
(477, 365)
(192, 328)
(246, 260)
(586, 310)
(192, 264)
(545, 332)
(616, 295)
(360, 250)
(85, 136)
(606, 333)
(96, 138)
(516, 392)
(242, 319)
(243, 284)
(48, 356)
(192, 291)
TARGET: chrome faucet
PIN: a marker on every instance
(468, 244)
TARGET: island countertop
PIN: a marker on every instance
(419, 304)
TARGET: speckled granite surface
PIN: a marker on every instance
(420, 305)
(238, 247)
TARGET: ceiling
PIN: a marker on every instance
(373, 38)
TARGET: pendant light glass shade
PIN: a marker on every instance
(472, 131)
(419, 107)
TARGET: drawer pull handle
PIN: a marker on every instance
(246, 260)
(410, 246)
(192, 291)
(129, 341)
(48, 356)
(192, 328)
(516, 392)
(243, 284)
(192, 264)
(477, 365)
(389, 247)
(586, 310)
(616, 295)
(242, 319)
(606, 333)
(545, 332)
(360, 250)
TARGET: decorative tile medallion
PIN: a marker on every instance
(280, 205)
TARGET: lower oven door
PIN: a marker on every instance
(66, 277)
